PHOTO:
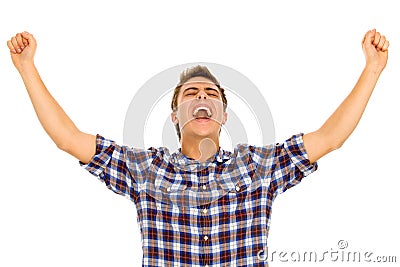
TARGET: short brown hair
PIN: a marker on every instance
(187, 74)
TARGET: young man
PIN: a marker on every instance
(201, 205)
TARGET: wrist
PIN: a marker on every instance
(24, 67)
(373, 68)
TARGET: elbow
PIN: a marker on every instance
(63, 145)
(65, 142)
(336, 145)
(333, 141)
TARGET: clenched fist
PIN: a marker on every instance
(22, 48)
(375, 47)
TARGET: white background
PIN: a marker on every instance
(305, 57)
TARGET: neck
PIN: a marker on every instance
(199, 149)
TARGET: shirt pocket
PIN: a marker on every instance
(175, 187)
(171, 192)
(234, 203)
(241, 201)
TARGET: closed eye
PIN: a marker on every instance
(212, 92)
(193, 91)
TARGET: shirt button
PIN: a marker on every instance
(204, 187)
(205, 238)
(205, 211)
(237, 188)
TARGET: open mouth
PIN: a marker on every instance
(202, 113)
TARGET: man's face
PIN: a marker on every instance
(200, 111)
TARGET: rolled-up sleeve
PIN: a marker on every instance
(283, 164)
(291, 163)
(117, 166)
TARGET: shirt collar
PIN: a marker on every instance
(184, 162)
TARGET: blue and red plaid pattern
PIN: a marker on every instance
(214, 213)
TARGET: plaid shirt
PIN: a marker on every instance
(214, 213)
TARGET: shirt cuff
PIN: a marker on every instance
(298, 154)
(102, 155)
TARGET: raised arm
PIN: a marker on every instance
(54, 120)
(344, 120)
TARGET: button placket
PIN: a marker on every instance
(206, 221)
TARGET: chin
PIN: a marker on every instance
(201, 134)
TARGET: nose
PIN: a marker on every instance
(201, 94)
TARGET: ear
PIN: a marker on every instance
(174, 118)
(225, 117)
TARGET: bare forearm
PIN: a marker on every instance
(344, 120)
(335, 131)
(54, 120)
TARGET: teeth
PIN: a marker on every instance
(202, 108)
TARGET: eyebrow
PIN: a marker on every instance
(206, 89)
